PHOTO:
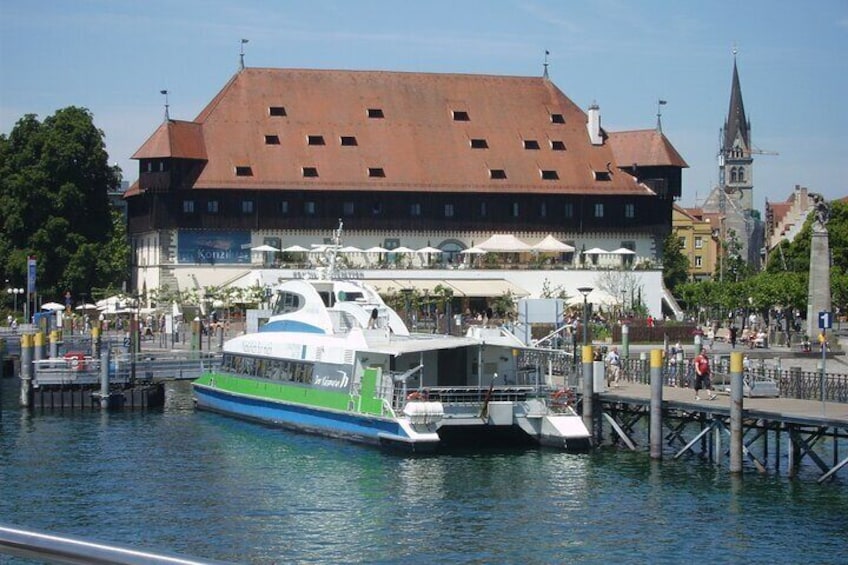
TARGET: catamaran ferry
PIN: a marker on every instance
(335, 360)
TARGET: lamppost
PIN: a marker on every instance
(585, 290)
(14, 292)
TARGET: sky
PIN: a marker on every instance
(114, 57)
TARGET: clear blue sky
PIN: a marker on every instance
(114, 56)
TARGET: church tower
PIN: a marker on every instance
(735, 163)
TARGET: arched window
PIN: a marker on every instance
(733, 174)
(741, 177)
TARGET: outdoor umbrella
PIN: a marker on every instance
(52, 306)
(265, 248)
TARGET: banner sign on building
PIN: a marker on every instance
(217, 248)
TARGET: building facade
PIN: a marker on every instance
(279, 156)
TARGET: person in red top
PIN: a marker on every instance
(702, 375)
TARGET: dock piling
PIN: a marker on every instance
(104, 380)
(588, 389)
(26, 370)
(655, 433)
(736, 410)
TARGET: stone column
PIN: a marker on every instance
(818, 293)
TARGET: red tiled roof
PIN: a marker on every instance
(176, 139)
(417, 143)
(779, 210)
(645, 148)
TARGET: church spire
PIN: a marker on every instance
(737, 126)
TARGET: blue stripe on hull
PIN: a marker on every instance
(334, 424)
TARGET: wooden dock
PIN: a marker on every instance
(776, 431)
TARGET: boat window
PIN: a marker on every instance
(288, 302)
(350, 296)
(327, 298)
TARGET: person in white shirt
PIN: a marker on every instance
(613, 362)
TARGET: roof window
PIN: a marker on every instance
(244, 172)
(376, 172)
(348, 141)
(272, 140)
(316, 140)
(461, 116)
(549, 175)
(603, 175)
(531, 144)
(497, 174)
(557, 119)
(375, 113)
(479, 144)
(557, 145)
(276, 111)
(310, 172)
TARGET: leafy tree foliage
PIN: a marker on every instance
(54, 183)
(675, 263)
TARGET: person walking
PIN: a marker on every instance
(613, 367)
(702, 375)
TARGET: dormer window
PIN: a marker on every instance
(244, 171)
(557, 145)
(479, 144)
(377, 172)
(272, 140)
(375, 113)
(531, 144)
(348, 141)
(549, 175)
(461, 116)
(603, 176)
(315, 140)
(497, 174)
(277, 111)
(557, 119)
(310, 172)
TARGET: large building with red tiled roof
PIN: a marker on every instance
(411, 159)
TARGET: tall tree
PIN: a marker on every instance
(675, 263)
(54, 184)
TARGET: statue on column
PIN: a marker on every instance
(822, 210)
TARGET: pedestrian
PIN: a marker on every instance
(613, 367)
(702, 375)
(733, 331)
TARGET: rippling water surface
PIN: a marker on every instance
(208, 486)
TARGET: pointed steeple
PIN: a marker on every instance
(737, 125)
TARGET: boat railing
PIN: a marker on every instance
(476, 395)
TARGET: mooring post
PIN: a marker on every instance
(95, 342)
(736, 412)
(38, 346)
(625, 341)
(104, 379)
(656, 404)
(54, 343)
(26, 370)
(220, 337)
(588, 389)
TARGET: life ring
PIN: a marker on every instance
(75, 361)
(564, 397)
(415, 395)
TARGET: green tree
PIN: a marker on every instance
(54, 183)
(675, 263)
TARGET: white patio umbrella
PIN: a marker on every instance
(376, 249)
(402, 249)
(504, 243)
(89, 307)
(596, 251)
(350, 249)
(622, 251)
(473, 251)
(264, 248)
(52, 306)
(428, 250)
(552, 245)
(295, 249)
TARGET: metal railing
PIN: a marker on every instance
(34, 544)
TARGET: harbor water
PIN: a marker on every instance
(207, 486)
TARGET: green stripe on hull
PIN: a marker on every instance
(299, 394)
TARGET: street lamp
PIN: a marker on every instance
(14, 292)
(585, 290)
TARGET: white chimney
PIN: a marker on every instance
(593, 125)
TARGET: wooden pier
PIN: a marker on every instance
(777, 432)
